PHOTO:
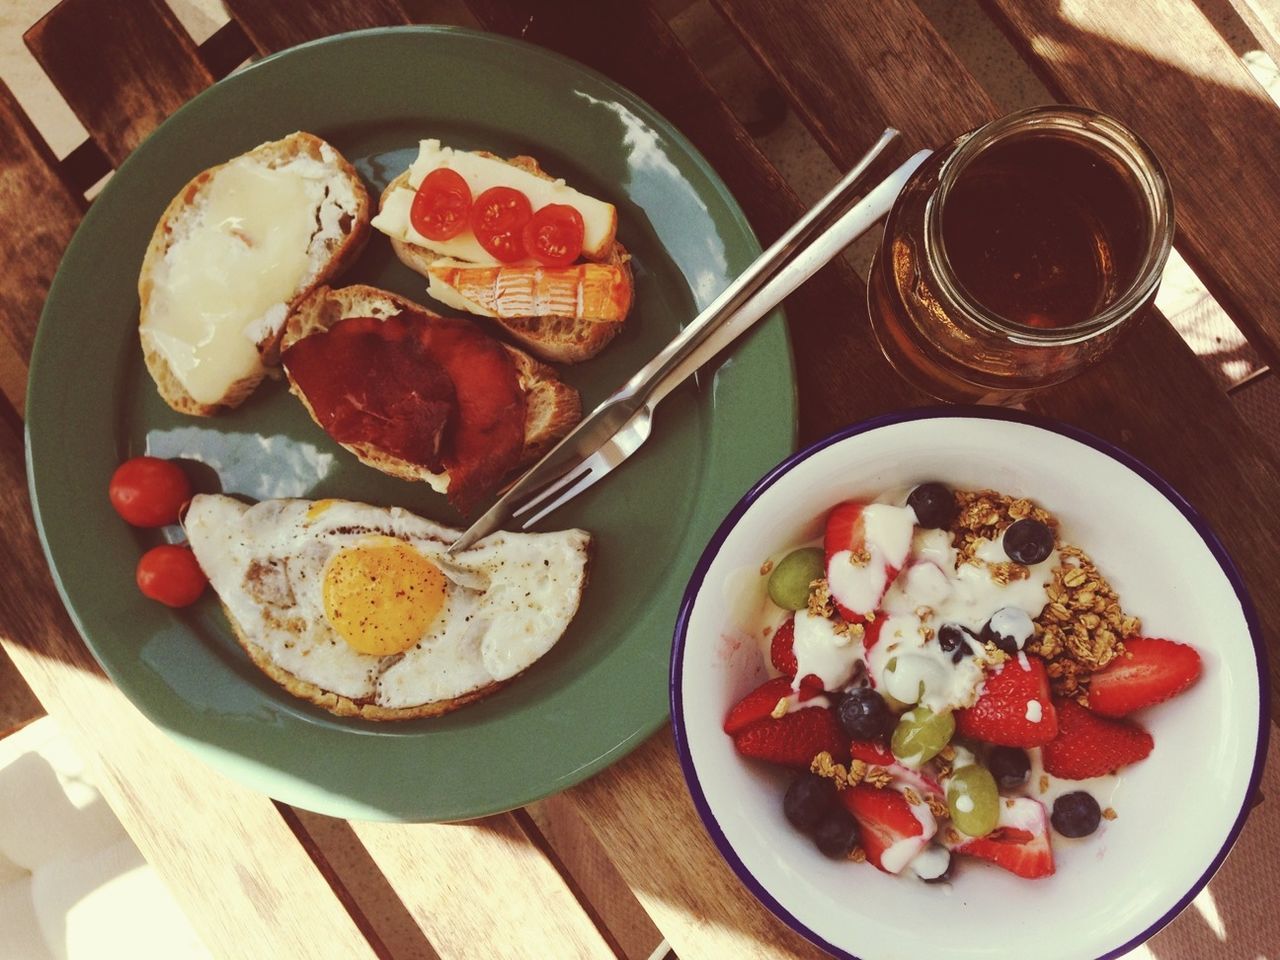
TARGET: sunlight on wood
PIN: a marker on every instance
(1207, 907)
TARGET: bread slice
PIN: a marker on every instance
(552, 408)
(560, 339)
(341, 216)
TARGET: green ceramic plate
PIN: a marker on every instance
(603, 689)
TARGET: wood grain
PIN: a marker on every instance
(1152, 393)
(276, 24)
(590, 866)
(122, 66)
(245, 882)
(673, 867)
(29, 256)
(1212, 125)
(483, 889)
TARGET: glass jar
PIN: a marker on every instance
(1016, 255)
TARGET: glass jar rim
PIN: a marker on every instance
(1100, 130)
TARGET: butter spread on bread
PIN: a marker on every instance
(232, 253)
(482, 171)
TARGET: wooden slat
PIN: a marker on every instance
(29, 256)
(262, 898)
(668, 858)
(483, 889)
(122, 66)
(1214, 128)
(581, 855)
(275, 24)
(1152, 396)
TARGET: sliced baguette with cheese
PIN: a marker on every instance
(561, 314)
(552, 408)
(233, 252)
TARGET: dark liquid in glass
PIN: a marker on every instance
(1044, 231)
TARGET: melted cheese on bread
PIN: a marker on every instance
(600, 219)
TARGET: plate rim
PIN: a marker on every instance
(316, 796)
(963, 411)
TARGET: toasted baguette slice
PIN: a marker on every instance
(339, 213)
(552, 408)
(559, 338)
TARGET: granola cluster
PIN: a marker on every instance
(1083, 627)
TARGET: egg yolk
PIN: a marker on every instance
(381, 596)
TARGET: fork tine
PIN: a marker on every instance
(555, 486)
(590, 477)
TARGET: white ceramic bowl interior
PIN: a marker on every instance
(1178, 811)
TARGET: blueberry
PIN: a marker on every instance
(836, 834)
(1010, 766)
(1009, 629)
(1076, 814)
(863, 714)
(1028, 541)
(934, 504)
(954, 639)
(808, 800)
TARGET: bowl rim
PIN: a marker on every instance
(1198, 523)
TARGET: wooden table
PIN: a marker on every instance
(616, 865)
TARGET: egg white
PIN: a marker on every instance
(508, 598)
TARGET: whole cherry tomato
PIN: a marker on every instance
(148, 491)
(169, 573)
(442, 205)
(498, 218)
(554, 235)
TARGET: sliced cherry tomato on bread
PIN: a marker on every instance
(554, 235)
(169, 573)
(148, 491)
(442, 206)
(498, 219)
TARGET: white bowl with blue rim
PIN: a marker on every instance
(1179, 811)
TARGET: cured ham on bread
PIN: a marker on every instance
(419, 396)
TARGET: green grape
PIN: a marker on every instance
(973, 800)
(789, 582)
(921, 734)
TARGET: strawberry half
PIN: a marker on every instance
(782, 648)
(1151, 671)
(869, 751)
(760, 703)
(886, 821)
(1019, 843)
(847, 530)
(1088, 745)
(793, 740)
(1000, 715)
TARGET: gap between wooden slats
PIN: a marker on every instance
(1262, 17)
(122, 66)
(1214, 128)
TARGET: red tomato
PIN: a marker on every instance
(498, 220)
(442, 205)
(169, 573)
(554, 236)
(148, 491)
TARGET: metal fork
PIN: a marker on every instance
(620, 425)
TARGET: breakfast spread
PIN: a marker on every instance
(353, 607)
(359, 610)
(948, 667)
(419, 396)
(232, 253)
(502, 239)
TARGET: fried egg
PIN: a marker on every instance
(359, 609)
